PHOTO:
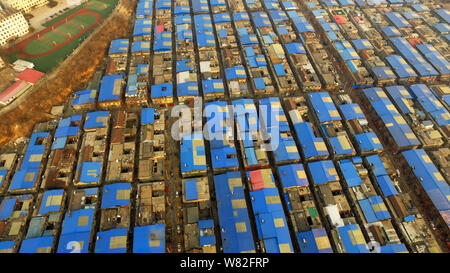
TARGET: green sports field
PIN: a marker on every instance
(65, 32)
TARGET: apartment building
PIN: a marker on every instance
(12, 24)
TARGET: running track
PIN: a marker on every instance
(20, 46)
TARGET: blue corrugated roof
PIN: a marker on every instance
(386, 185)
(271, 5)
(431, 104)
(311, 240)
(240, 16)
(341, 145)
(2, 176)
(278, 15)
(324, 106)
(346, 50)
(400, 96)
(181, 10)
(221, 18)
(147, 115)
(362, 44)
(330, 3)
(376, 164)
(413, 57)
(279, 69)
(216, 112)
(446, 99)
(394, 248)
(7, 245)
(235, 72)
(149, 239)
(323, 171)
(390, 31)
(273, 114)
(261, 19)
(411, 15)
(84, 97)
(78, 221)
(49, 201)
(401, 68)
(233, 216)
(430, 178)
(329, 27)
(187, 89)
(209, 223)
(435, 58)
(213, 86)
(350, 173)
(368, 142)
(140, 46)
(163, 4)
(74, 242)
(162, 90)
(90, 172)
(420, 7)
(34, 244)
(207, 240)
(352, 111)
(18, 181)
(295, 48)
(115, 195)
(349, 235)
(162, 42)
(104, 241)
(7, 207)
(312, 146)
(444, 14)
(181, 20)
(224, 157)
(142, 12)
(287, 5)
(200, 6)
(191, 189)
(118, 46)
(271, 221)
(383, 72)
(397, 19)
(192, 154)
(374, 209)
(395, 123)
(443, 28)
(142, 27)
(64, 130)
(293, 175)
(30, 165)
(110, 88)
(346, 3)
(204, 31)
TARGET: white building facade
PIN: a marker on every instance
(12, 24)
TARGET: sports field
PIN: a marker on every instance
(47, 48)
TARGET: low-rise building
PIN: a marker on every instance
(7, 166)
(28, 175)
(92, 155)
(120, 165)
(152, 151)
(14, 212)
(62, 158)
